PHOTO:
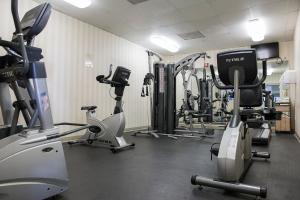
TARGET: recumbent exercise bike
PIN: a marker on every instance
(237, 70)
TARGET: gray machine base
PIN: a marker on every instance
(5, 131)
(114, 149)
(260, 136)
(234, 187)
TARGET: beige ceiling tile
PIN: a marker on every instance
(169, 18)
(270, 9)
(253, 3)
(208, 22)
(233, 18)
(215, 30)
(153, 7)
(194, 13)
(183, 28)
(186, 3)
(228, 6)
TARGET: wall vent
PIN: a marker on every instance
(134, 2)
(191, 35)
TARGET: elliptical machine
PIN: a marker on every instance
(108, 132)
(237, 70)
(32, 162)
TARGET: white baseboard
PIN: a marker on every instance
(297, 137)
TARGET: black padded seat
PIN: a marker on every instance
(251, 97)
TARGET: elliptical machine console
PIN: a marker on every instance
(108, 132)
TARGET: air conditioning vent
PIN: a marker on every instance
(191, 35)
(134, 2)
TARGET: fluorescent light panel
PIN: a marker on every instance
(79, 3)
(165, 43)
(256, 30)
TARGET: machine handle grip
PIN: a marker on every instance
(8, 44)
(151, 53)
(19, 33)
(102, 78)
(110, 71)
(15, 14)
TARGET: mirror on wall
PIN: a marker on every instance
(275, 68)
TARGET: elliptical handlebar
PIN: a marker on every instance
(228, 87)
(104, 79)
(15, 14)
(8, 44)
(19, 33)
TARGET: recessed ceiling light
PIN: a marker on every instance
(79, 3)
(256, 30)
(165, 43)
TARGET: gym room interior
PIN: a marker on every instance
(150, 99)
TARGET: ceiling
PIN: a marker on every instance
(222, 22)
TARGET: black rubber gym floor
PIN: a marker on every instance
(160, 169)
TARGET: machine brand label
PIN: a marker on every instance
(45, 101)
(237, 59)
(7, 74)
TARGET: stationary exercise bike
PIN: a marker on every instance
(237, 70)
(108, 132)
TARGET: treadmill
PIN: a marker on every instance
(259, 119)
(260, 131)
(258, 113)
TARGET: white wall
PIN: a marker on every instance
(297, 68)
(66, 44)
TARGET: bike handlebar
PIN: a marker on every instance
(110, 72)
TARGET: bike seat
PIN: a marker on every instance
(89, 108)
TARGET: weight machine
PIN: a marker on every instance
(164, 116)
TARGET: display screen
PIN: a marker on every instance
(266, 51)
